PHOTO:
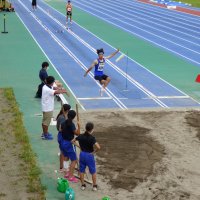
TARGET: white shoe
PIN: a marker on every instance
(83, 187)
(94, 188)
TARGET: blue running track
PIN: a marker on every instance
(72, 51)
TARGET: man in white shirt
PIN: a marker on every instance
(47, 102)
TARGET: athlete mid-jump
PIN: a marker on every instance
(99, 64)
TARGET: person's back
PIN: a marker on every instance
(61, 118)
(86, 142)
(47, 100)
(68, 130)
(88, 146)
(43, 75)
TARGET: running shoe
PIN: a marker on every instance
(73, 179)
(66, 175)
(43, 135)
(83, 187)
(94, 188)
(47, 137)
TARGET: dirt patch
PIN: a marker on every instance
(193, 119)
(147, 155)
(128, 155)
(13, 170)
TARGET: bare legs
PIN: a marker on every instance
(72, 167)
(94, 178)
(104, 83)
(45, 129)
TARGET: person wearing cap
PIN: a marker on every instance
(89, 147)
(61, 117)
(69, 11)
(68, 131)
(47, 103)
(99, 64)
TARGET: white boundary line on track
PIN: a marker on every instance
(95, 98)
(172, 97)
(134, 82)
(123, 22)
(115, 99)
(125, 55)
(133, 13)
(61, 96)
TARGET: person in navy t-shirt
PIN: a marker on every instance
(99, 64)
(89, 147)
(42, 75)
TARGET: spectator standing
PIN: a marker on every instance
(47, 102)
(62, 116)
(42, 75)
(89, 147)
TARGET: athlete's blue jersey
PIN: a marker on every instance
(99, 67)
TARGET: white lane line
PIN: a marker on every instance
(173, 97)
(95, 98)
(169, 97)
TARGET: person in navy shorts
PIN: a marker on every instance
(61, 117)
(89, 147)
(99, 64)
(68, 131)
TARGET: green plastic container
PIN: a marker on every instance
(105, 198)
(62, 185)
(69, 194)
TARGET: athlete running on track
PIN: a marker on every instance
(99, 66)
(69, 11)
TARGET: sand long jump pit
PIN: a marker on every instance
(148, 154)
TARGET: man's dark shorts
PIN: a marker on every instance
(69, 13)
(100, 78)
(34, 2)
